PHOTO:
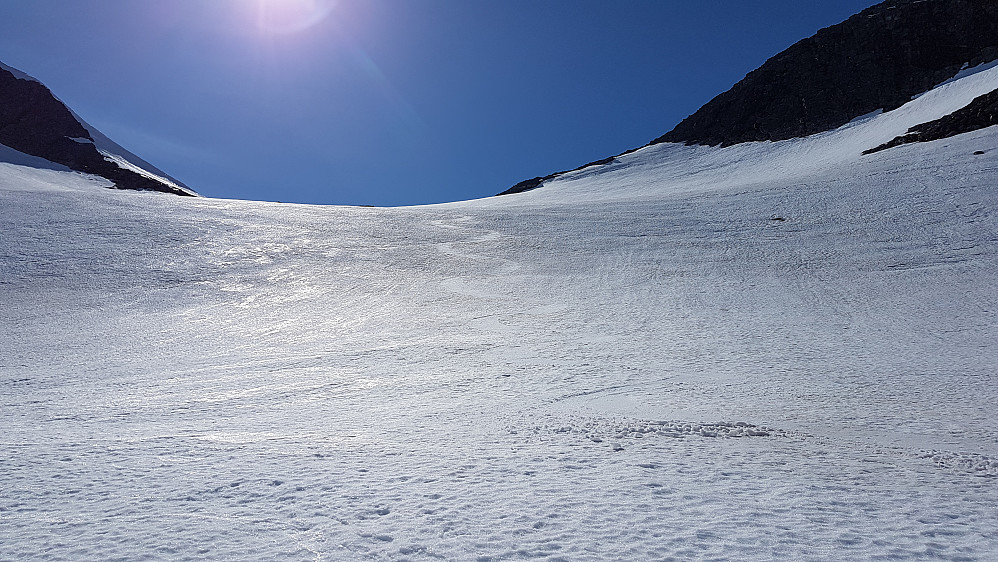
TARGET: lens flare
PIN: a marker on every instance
(291, 16)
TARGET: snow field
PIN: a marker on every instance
(787, 364)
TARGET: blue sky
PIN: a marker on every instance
(392, 102)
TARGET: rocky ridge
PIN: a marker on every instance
(876, 60)
(33, 121)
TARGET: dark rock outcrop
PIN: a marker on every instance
(527, 185)
(877, 59)
(980, 113)
(35, 122)
(534, 183)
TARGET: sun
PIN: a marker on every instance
(291, 16)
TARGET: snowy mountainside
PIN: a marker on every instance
(775, 350)
(876, 61)
(670, 167)
(979, 114)
(34, 124)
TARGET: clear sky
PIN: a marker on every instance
(392, 102)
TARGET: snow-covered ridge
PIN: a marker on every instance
(37, 123)
(18, 74)
(125, 164)
(677, 168)
(116, 153)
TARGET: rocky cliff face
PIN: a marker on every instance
(877, 59)
(35, 122)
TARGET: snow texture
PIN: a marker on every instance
(768, 351)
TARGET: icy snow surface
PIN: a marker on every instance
(769, 351)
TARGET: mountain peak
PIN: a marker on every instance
(35, 122)
(876, 60)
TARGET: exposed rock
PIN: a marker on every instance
(534, 183)
(980, 113)
(877, 59)
(35, 122)
(527, 185)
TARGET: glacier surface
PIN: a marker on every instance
(768, 351)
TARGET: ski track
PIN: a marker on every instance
(678, 378)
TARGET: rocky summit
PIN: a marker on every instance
(875, 60)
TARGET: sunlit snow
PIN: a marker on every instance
(768, 351)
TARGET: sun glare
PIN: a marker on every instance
(291, 16)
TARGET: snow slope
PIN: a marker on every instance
(671, 168)
(768, 351)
